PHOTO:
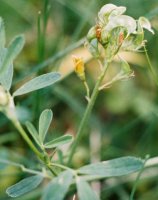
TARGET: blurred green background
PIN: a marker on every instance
(125, 116)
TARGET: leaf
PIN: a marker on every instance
(13, 50)
(58, 187)
(84, 191)
(59, 141)
(115, 167)
(44, 123)
(24, 186)
(2, 34)
(38, 83)
(93, 47)
(126, 70)
(4, 154)
(7, 75)
(145, 23)
(91, 34)
(32, 130)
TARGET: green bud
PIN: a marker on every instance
(3, 97)
(91, 34)
(93, 48)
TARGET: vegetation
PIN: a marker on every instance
(99, 142)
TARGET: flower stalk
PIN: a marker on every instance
(87, 113)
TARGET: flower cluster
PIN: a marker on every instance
(114, 31)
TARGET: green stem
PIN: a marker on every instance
(138, 178)
(39, 33)
(42, 25)
(43, 157)
(87, 89)
(151, 68)
(61, 166)
(87, 113)
(27, 139)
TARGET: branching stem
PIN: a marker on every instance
(42, 156)
(87, 113)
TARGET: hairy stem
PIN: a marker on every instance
(87, 113)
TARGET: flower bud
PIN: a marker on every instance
(3, 97)
(91, 34)
(79, 67)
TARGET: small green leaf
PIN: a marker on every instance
(145, 23)
(13, 50)
(44, 123)
(115, 167)
(38, 83)
(2, 34)
(91, 34)
(4, 154)
(126, 70)
(84, 191)
(24, 186)
(7, 75)
(93, 47)
(32, 130)
(58, 187)
(59, 141)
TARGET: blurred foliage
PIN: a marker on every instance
(125, 115)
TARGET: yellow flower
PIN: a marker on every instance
(79, 67)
